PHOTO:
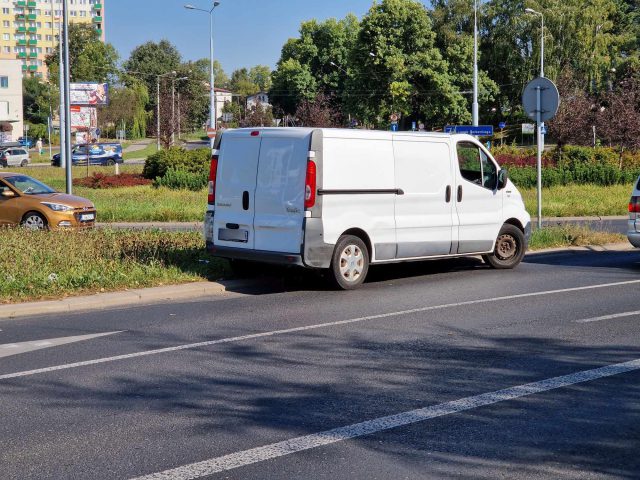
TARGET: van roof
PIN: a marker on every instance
(340, 133)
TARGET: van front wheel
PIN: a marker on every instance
(350, 262)
(509, 248)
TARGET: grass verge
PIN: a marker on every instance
(579, 200)
(150, 149)
(40, 265)
(571, 236)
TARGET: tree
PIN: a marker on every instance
(38, 97)
(292, 83)
(318, 112)
(403, 71)
(620, 119)
(258, 116)
(126, 108)
(576, 115)
(202, 66)
(90, 59)
(242, 83)
(151, 59)
(260, 75)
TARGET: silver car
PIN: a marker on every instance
(14, 157)
(633, 233)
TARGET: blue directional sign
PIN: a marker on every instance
(476, 131)
(394, 127)
(501, 125)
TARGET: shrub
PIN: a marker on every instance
(182, 180)
(100, 180)
(192, 161)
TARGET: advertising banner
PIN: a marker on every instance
(83, 118)
(89, 94)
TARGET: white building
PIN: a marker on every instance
(222, 97)
(261, 98)
(11, 105)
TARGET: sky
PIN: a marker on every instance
(246, 32)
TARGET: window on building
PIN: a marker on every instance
(4, 82)
(6, 36)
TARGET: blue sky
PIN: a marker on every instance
(247, 32)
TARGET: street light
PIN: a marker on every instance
(531, 11)
(158, 106)
(212, 92)
(173, 106)
(474, 108)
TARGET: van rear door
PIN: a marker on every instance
(279, 194)
(235, 190)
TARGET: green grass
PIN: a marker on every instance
(38, 265)
(571, 236)
(131, 204)
(144, 153)
(35, 157)
(579, 200)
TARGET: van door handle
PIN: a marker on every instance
(459, 193)
(447, 196)
(245, 200)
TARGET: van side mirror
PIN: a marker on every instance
(503, 176)
(8, 193)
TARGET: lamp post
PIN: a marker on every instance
(475, 107)
(531, 11)
(158, 106)
(67, 98)
(212, 92)
(173, 105)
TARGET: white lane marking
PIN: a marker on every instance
(608, 317)
(9, 349)
(252, 336)
(315, 440)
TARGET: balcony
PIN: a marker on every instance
(97, 6)
(32, 43)
(31, 16)
(22, 29)
(99, 30)
(33, 68)
(21, 16)
(24, 68)
(32, 29)
(97, 19)
(31, 4)
(22, 54)
(22, 42)
(21, 3)
(33, 55)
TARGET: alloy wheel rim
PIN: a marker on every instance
(34, 222)
(351, 263)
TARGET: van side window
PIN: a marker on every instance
(475, 166)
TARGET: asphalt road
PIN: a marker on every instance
(434, 370)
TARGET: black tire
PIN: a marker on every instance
(110, 163)
(34, 221)
(509, 248)
(350, 262)
(24, 163)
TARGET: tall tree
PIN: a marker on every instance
(261, 76)
(151, 59)
(90, 59)
(292, 83)
(397, 68)
(38, 97)
(242, 84)
(202, 66)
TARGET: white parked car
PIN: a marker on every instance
(633, 233)
(344, 199)
(14, 157)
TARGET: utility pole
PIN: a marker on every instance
(475, 108)
(67, 96)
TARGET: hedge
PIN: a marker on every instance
(192, 161)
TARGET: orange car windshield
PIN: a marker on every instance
(28, 185)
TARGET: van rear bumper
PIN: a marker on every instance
(255, 255)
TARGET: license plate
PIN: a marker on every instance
(87, 217)
(231, 235)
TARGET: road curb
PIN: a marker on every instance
(102, 301)
(609, 247)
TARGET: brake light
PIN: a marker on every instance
(634, 207)
(310, 185)
(213, 173)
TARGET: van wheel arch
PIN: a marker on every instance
(516, 223)
(362, 235)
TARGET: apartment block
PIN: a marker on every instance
(29, 29)
(11, 121)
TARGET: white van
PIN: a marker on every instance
(344, 199)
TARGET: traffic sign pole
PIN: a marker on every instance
(540, 146)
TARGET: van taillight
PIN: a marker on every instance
(310, 185)
(634, 208)
(213, 172)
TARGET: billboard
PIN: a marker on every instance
(83, 118)
(89, 93)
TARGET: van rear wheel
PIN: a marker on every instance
(350, 262)
(509, 249)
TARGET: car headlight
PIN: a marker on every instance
(57, 207)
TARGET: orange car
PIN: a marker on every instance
(32, 204)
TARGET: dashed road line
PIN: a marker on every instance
(9, 349)
(272, 333)
(609, 317)
(328, 437)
